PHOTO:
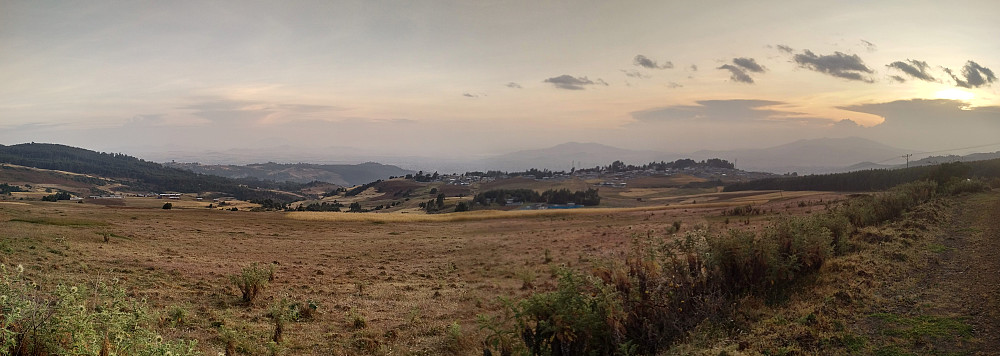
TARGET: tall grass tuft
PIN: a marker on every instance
(252, 280)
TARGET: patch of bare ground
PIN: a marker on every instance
(962, 281)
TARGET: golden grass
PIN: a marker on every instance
(480, 215)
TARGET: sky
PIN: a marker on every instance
(465, 79)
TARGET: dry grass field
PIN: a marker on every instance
(384, 283)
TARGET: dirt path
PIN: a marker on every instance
(964, 282)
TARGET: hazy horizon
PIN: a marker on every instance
(466, 80)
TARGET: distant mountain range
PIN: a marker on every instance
(568, 155)
(825, 155)
(340, 174)
(810, 156)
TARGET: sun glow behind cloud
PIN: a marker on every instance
(955, 94)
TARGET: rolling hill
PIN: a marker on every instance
(138, 175)
(340, 174)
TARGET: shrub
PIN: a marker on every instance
(72, 320)
(960, 186)
(573, 320)
(356, 320)
(252, 280)
(167, 206)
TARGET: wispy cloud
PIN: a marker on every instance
(737, 74)
(719, 110)
(840, 65)
(738, 70)
(646, 62)
(749, 64)
(785, 49)
(974, 75)
(913, 68)
(513, 85)
(569, 82)
(870, 47)
(635, 74)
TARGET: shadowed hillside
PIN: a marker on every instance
(136, 174)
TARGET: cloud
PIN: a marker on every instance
(975, 75)
(735, 110)
(513, 85)
(674, 85)
(785, 49)
(469, 95)
(646, 62)
(837, 64)
(569, 82)
(933, 124)
(737, 74)
(694, 67)
(749, 64)
(870, 47)
(914, 68)
(635, 74)
(738, 71)
(898, 78)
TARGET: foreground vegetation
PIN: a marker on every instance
(665, 288)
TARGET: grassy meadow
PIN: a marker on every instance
(381, 283)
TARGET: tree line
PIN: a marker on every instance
(588, 197)
(874, 179)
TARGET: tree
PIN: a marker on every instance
(167, 206)
(440, 200)
(461, 206)
(354, 208)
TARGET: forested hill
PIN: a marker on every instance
(875, 179)
(137, 174)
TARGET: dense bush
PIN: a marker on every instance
(572, 320)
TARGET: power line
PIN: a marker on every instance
(940, 151)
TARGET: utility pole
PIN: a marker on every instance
(907, 156)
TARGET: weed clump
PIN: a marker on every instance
(252, 280)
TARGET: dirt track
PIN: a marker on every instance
(965, 281)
